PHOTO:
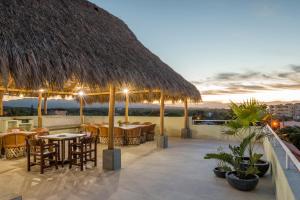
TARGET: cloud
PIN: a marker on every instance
(250, 81)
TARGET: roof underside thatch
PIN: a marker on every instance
(64, 44)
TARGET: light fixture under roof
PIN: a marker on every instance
(81, 93)
(125, 91)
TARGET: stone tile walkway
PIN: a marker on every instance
(179, 172)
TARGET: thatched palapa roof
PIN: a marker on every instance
(62, 44)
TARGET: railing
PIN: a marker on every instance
(289, 156)
(209, 122)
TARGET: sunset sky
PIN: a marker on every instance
(231, 50)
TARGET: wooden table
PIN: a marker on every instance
(62, 138)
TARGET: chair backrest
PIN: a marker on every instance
(118, 132)
(89, 140)
(135, 132)
(103, 131)
(147, 123)
(92, 129)
(14, 140)
(152, 127)
(35, 142)
(41, 131)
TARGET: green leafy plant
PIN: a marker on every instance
(119, 122)
(249, 118)
(235, 158)
(222, 165)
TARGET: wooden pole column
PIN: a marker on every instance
(111, 114)
(111, 156)
(162, 139)
(162, 113)
(81, 110)
(45, 105)
(39, 109)
(186, 114)
(186, 131)
(1, 103)
(126, 107)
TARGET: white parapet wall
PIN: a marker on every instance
(173, 125)
(286, 181)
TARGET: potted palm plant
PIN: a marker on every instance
(250, 117)
(241, 178)
(222, 167)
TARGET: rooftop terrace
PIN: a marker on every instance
(179, 172)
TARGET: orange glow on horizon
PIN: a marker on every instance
(264, 96)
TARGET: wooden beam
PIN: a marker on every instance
(111, 114)
(81, 110)
(126, 107)
(39, 109)
(1, 103)
(45, 105)
(162, 112)
(186, 114)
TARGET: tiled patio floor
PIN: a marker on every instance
(179, 172)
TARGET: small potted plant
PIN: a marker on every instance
(120, 122)
(244, 179)
(222, 167)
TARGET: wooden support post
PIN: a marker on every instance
(1, 103)
(111, 156)
(45, 105)
(39, 109)
(111, 114)
(126, 107)
(186, 131)
(162, 139)
(81, 110)
(162, 113)
(186, 114)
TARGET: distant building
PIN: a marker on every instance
(297, 111)
(291, 111)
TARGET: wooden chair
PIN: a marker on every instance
(119, 138)
(93, 130)
(133, 136)
(150, 132)
(83, 151)
(14, 145)
(144, 132)
(147, 123)
(103, 135)
(41, 153)
(41, 131)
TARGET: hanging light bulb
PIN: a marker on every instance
(125, 91)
